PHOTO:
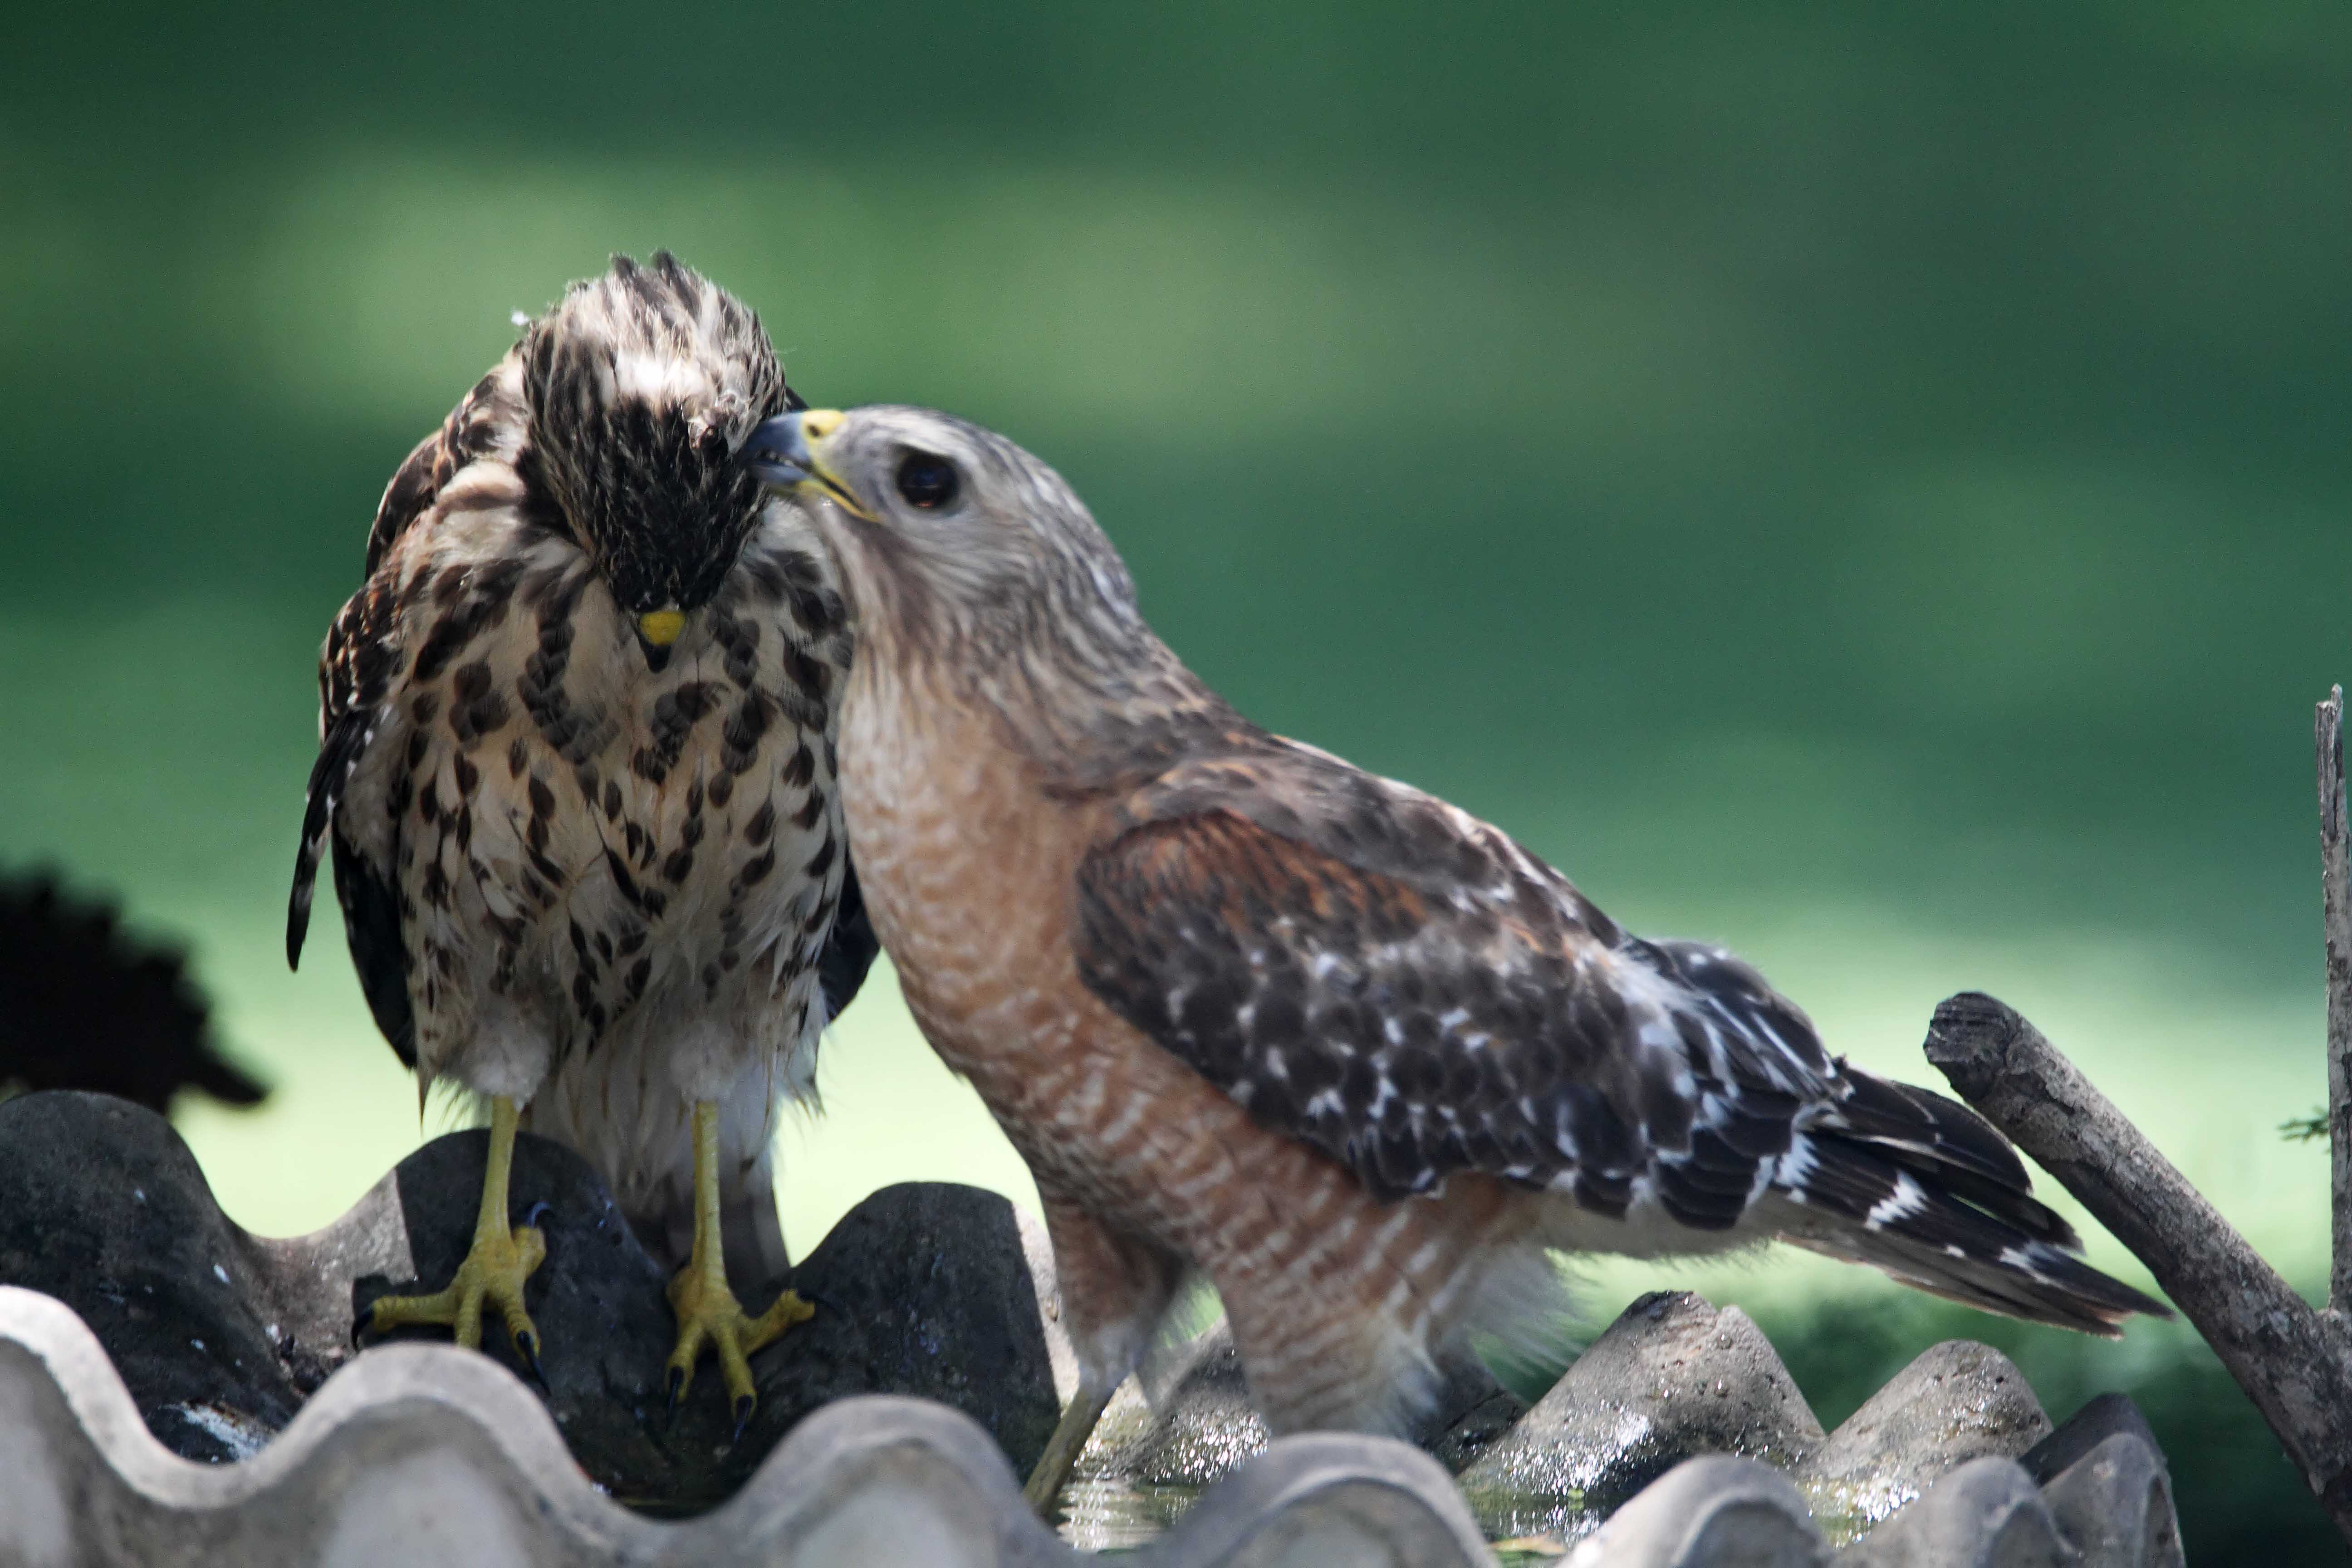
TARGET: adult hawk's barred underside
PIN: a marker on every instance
(1243, 1007)
(576, 774)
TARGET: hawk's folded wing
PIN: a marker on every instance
(356, 669)
(1405, 988)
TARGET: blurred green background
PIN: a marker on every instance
(1864, 483)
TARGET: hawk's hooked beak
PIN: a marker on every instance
(657, 629)
(787, 452)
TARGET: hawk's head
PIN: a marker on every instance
(950, 536)
(642, 385)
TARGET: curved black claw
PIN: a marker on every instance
(528, 1344)
(537, 1209)
(815, 1297)
(743, 1408)
(677, 1387)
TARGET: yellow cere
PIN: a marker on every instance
(660, 628)
(818, 423)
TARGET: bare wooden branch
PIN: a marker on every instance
(2287, 1358)
(2335, 910)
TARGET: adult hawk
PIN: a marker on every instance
(1353, 1053)
(576, 771)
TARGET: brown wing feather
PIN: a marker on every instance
(1373, 971)
(356, 667)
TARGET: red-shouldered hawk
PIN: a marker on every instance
(576, 767)
(1243, 1007)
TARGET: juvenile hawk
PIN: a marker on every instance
(1353, 1053)
(576, 769)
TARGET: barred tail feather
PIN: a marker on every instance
(317, 812)
(1970, 1240)
(1947, 1145)
(1858, 1166)
(339, 753)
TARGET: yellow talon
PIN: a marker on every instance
(708, 1313)
(501, 1257)
(706, 1308)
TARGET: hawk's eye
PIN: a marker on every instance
(927, 481)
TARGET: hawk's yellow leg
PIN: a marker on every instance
(707, 1310)
(501, 1259)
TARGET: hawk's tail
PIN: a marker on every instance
(1924, 1188)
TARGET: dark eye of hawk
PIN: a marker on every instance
(927, 481)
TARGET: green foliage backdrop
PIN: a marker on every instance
(1865, 483)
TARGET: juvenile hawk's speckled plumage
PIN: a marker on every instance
(580, 866)
(1355, 1053)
